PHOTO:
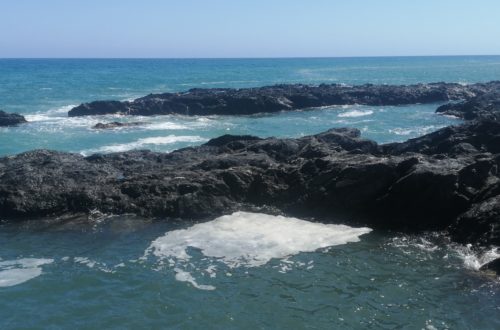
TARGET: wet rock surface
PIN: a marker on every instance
(11, 119)
(227, 101)
(116, 124)
(448, 179)
(484, 106)
(492, 266)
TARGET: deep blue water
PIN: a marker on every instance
(113, 273)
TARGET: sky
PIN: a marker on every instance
(247, 28)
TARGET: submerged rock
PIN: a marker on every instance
(11, 119)
(447, 179)
(245, 101)
(116, 124)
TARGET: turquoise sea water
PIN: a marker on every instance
(125, 272)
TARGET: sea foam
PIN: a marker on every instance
(14, 272)
(356, 113)
(245, 239)
(144, 142)
(475, 260)
(50, 114)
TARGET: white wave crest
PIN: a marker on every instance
(473, 260)
(165, 126)
(356, 113)
(50, 114)
(144, 142)
(14, 272)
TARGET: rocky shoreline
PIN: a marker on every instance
(447, 180)
(269, 99)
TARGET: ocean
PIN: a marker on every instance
(243, 270)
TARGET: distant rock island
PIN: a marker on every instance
(246, 101)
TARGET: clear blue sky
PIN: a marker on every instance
(247, 28)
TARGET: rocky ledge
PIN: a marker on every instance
(116, 124)
(445, 180)
(486, 106)
(226, 101)
(11, 119)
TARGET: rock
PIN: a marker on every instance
(484, 106)
(480, 224)
(11, 119)
(492, 266)
(448, 179)
(245, 101)
(116, 124)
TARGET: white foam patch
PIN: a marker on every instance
(183, 276)
(165, 126)
(415, 131)
(253, 239)
(245, 239)
(401, 131)
(14, 272)
(93, 264)
(85, 261)
(50, 114)
(144, 142)
(473, 260)
(356, 113)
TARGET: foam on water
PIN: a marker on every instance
(475, 260)
(165, 126)
(51, 114)
(183, 276)
(415, 130)
(356, 113)
(144, 142)
(472, 259)
(245, 239)
(14, 272)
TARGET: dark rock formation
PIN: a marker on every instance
(447, 179)
(247, 101)
(11, 119)
(116, 124)
(485, 106)
(493, 266)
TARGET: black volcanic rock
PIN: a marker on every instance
(116, 124)
(447, 179)
(484, 106)
(11, 119)
(492, 266)
(481, 223)
(226, 101)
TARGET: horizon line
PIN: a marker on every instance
(239, 58)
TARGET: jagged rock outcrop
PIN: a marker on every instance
(11, 119)
(485, 106)
(227, 101)
(445, 180)
(116, 124)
